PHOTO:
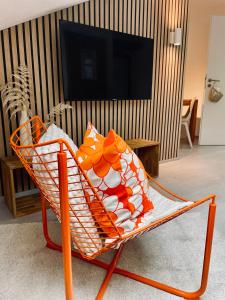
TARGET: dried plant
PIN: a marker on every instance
(16, 93)
(56, 111)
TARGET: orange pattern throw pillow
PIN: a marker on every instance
(118, 176)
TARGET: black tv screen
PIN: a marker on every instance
(100, 64)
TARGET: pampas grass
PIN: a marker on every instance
(56, 111)
(16, 96)
(16, 93)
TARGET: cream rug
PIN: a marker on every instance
(172, 254)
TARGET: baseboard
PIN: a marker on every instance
(168, 160)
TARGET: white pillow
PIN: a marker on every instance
(45, 166)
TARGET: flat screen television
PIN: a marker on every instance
(101, 64)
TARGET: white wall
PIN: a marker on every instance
(200, 12)
(13, 12)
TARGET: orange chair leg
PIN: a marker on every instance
(52, 245)
(109, 273)
(111, 268)
(65, 224)
(45, 222)
(205, 271)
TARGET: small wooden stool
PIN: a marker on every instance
(19, 206)
(148, 152)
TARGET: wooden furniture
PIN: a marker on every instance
(19, 206)
(148, 152)
(193, 120)
(89, 245)
(186, 122)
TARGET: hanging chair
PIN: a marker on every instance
(63, 183)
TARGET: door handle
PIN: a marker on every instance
(210, 81)
(213, 80)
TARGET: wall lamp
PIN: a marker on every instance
(175, 37)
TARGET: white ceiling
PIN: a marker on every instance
(13, 12)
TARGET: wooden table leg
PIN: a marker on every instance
(150, 159)
(9, 189)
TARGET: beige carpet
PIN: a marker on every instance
(172, 254)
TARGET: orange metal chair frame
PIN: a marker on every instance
(112, 268)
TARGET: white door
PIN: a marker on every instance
(212, 130)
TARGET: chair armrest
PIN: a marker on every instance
(170, 193)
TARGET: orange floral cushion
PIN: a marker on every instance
(118, 176)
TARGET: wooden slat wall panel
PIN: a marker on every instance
(36, 43)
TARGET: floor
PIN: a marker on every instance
(195, 174)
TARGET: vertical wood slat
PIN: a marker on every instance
(33, 35)
(166, 94)
(184, 24)
(145, 102)
(152, 15)
(28, 60)
(3, 149)
(6, 70)
(27, 44)
(157, 50)
(14, 61)
(176, 75)
(55, 70)
(161, 105)
(162, 109)
(42, 71)
(36, 43)
(48, 62)
(169, 75)
(66, 16)
(59, 15)
(21, 44)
